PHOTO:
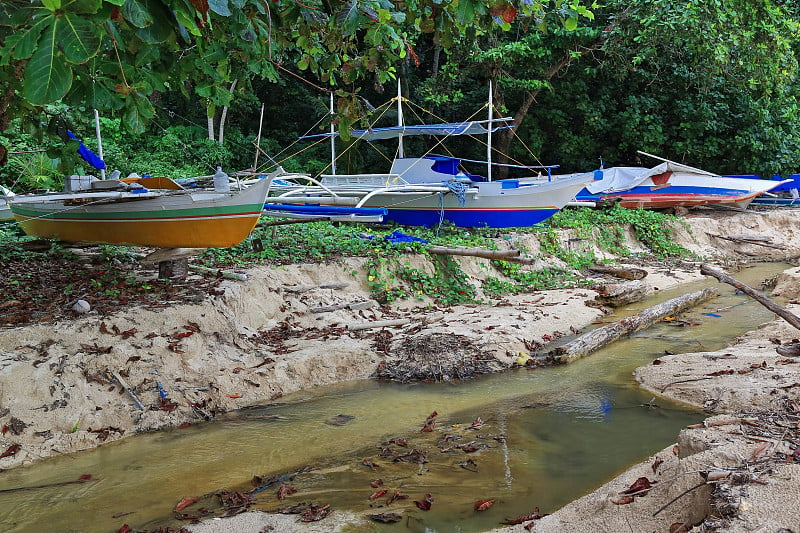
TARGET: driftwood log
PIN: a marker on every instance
(593, 340)
(785, 314)
(619, 294)
(474, 252)
(619, 272)
(748, 239)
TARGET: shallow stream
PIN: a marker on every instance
(549, 436)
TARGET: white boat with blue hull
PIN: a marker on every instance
(433, 189)
(430, 190)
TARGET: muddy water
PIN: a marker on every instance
(548, 437)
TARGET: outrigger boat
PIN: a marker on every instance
(432, 189)
(671, 184)
(154, 212)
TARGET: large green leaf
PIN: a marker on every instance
(48, 76)
(347, 17)
(163, 22)
(77, 37)
(136, 13)
(86, 7)
(26, 44)
(220, 7)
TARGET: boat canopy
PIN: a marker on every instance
(616, 179)
(475, 127)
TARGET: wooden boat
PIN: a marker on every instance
(671, 184)
(154, 212)
(429, 190)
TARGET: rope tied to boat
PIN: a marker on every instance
(459, 188)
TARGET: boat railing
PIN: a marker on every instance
(372, 180)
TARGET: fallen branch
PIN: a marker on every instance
(679, 496)
(744, 240)
(353, 306)
(474, 252)
(305, 288)
(236, 276)
(593, 340)
(620, 272)
(379, 324)
(788, 316)
(127, 389)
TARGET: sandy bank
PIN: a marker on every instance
(288, 329)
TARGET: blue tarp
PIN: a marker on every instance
(398, 236)
(87, 155)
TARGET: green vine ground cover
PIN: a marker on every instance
(389, 269)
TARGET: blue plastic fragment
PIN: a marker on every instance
(712, 314)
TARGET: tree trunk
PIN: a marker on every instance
(225, 115)
(619, 294)
(788, 316)
(620, 272)
(210, 126)
(593, 340)
(437, 51)
(474, 252)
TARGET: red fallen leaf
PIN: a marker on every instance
(134, 358)
(104, 329)
(124, 529)
(185, 425)
(640, 486)
(11, 451)
(5, 429)
(276, 396)
(482, 505)
(182, 335)
(85, 477)
(622, 500)
(535, 515)
(185, 502)
(428, 427)
(426, 503)
(680, 527)
(315, 514)
(656, 361)
(368, 463)
(376, 483)
(396, 496)
(128, 333)
(476, 424)
(192, 326)
(377, 494)
(234, 395)
(285, 491)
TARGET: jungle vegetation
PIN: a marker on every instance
(179, 84)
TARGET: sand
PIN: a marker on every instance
(285, 329)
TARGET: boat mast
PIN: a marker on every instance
(333, 140)
(489, 138)
(400, 152)
(99, 142)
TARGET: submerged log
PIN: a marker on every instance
(620, 272)
(785, 314)
(619, 294)
(593, 340)
(474, 252)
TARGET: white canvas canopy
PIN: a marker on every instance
(616, 179)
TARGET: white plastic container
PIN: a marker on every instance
(221, 181)
(76, 183)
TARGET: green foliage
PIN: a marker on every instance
(605, 227)
(522, 281)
